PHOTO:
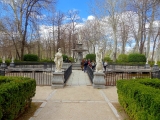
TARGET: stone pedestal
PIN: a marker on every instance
(58, 80)
(3, 65)
(12, 65)
(155, 68)
(99, 80)
(147, 66)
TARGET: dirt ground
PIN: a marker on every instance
(30, 111)
(121, 111)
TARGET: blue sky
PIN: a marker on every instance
(80, 5)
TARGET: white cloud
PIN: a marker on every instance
(91, 17)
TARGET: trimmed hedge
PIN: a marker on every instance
(7, 61)
(122, 58)
(91, 57)
(136, 57)
(15, 96)
(107, 58)
(30, 57)
(64, 57)
(140, 98)
(71, 59)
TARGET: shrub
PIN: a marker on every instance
(45, 60)
(136, 57)
(15, 96)
(91, 57)
(30, 57)
(140, 98)
(158, 63)
(7, 61)
(107, 58)
(71, 59)
(122, 58)
(64, 57)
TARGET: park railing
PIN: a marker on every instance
(90, 73)
(67, 73)
(126, 71)
(112, 76)
(42, 77)
(42, 72)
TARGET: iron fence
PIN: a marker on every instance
(42, 77)
(67, 73)
(112, 77)
(41, 72)
(116, 72)
(90, 73)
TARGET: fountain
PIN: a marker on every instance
(79, 50)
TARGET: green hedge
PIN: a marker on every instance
(46, 60)
(7, 61)
(91, 57)
(30, 57)
(136, 57)
(15, 96)
(140, 98)
(71, 59)
(107, 58)
(64, 57)
(122, 58)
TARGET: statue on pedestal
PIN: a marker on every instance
(147, 61)
(155, 63)
(79, 39)
(58, 60)
(12, 60)
(99, 67)
(3, 59)
(12, 63)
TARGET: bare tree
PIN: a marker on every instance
(23, 12)
(103, 8)
(124, 34)
(93, 34)
(145, 9)
(73, 18)
(155, 42)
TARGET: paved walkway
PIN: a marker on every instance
(77, 101)
(78, 78)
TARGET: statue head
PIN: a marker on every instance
(59, 49)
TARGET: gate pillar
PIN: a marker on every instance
(58, 80)
(99, 80)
